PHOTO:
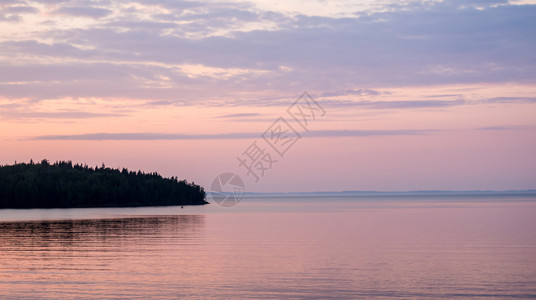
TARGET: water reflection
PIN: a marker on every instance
(65, 233)
(101, 255)
(294, 249)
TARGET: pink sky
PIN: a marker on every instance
(444, 102)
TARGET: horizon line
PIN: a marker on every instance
(527, 191)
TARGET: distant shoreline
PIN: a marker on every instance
(401, 193)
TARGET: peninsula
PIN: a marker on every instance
(64, 185)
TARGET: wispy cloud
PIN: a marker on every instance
(21, 9)
(518, 127)
(511, 100)
(19, 115)
(357, 92)
(394, 104)
(225, 136)
(241, 115)
(367, 133)
(82, 11)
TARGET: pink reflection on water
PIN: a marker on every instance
(271, 249)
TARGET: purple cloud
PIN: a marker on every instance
(241, 115)
(83, 11)
(20, 115)
(224, 136)
(123, 56)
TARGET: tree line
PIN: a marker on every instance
(64, 185)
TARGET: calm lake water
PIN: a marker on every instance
(301, 247)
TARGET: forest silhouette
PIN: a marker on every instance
(64, 185)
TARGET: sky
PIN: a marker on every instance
(289, 95)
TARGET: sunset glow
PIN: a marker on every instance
(419, 95)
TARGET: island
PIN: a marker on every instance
(64, 185)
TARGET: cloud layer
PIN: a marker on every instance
(225, 136)
(193, 50)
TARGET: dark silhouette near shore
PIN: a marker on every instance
(64, 185)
